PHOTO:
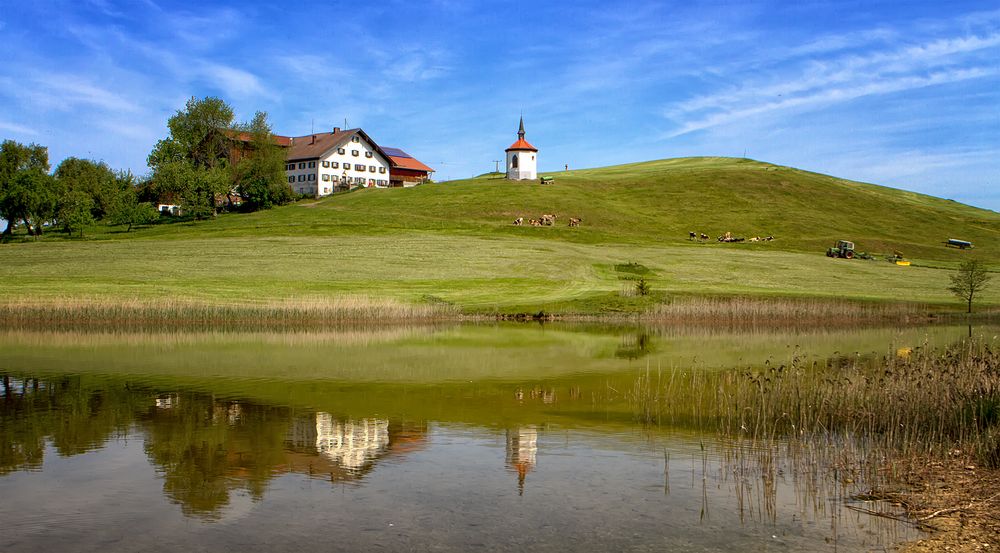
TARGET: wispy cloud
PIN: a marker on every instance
(232, 81)
(822, 82)
(68, 91)
(16, 129)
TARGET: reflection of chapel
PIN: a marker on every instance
(522, 450)
(522, 162)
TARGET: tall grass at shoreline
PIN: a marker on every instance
(750, 310)
(925, 403)
(179, 313)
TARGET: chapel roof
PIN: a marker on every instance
(522, 144)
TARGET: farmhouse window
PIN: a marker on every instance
(368, 154)
(371, 168)
(326, 164)
(326, 190)
(326, 178)
(312, 164)
(355, 138)
(290, 167)
(334, 164)
(312, 176)
(354, 153)
(381, 170)
(341, 150)
(291, 179)
(302, 165)
(359, 167)
(302, 178)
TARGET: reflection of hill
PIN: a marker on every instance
(203, 447)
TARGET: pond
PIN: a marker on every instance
(451, 438)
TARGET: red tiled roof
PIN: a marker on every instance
(284, 141)
(312, 146)
(408, 163)
(521, 144)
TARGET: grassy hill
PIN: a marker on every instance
(453, 242)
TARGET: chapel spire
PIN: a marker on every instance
(520, 129)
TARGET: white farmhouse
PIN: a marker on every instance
(323, 163)
(521, 158)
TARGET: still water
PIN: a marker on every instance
(450, 438)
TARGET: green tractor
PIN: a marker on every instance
(844, 249)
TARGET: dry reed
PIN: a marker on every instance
(174, 312)
(748, 310)
(927, 403)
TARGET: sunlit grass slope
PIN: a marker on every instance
(453, 242)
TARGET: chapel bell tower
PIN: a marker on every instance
(522, 158)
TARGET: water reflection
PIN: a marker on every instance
(522, 452)
(414, 423)
(203, 448)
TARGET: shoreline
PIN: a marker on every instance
(956, 502)
(307, 312)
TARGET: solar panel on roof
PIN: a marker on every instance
(395, 152)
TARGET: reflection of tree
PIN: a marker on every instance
(207, 448)
(634, 346)
(204, 448)
(72, 412)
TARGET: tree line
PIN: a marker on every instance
(208, 162)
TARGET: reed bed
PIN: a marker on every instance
(921, 402)
(749, 310)
(58, 312)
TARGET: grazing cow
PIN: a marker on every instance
(769, 238)
(703, 236)
(691, 235)
(574, 222)
(755, 239)
(534, 222)
(548, 219)
(519, 221)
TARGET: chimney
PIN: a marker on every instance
(312, 140)
(336, 130)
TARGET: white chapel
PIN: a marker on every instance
(522, 158)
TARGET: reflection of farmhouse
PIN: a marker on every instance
(345, 447)
(522, 448)
(320, 164)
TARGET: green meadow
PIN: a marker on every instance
(452, 244)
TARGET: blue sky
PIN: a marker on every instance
(903, 94)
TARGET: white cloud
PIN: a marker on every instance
(66, 91)
(232, 81)
(17, 129)
(823, 82)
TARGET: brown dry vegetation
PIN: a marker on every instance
(917, 427)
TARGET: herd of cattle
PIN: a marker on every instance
(546, 220)
(728, 237)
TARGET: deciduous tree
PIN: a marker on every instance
(969, 281)
(259, 174)
(16, 188)
(75, 211)
(197, 139)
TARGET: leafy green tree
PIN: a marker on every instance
(127, 210)
(259, 174)
(198, 138)
(75, 211)
(16, 189)
(125, 207)
(93, 178)
(970, 279)
(33, 198)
